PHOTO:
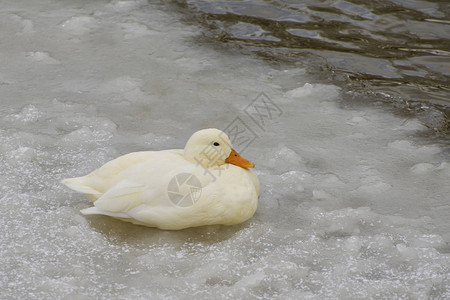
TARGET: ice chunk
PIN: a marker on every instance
(428, 241)
(340, 222)
(23, 154)
(136, 30)
(407, 253)
(128, 87)
(422, 168)
(126, 5)
(408, 146)
(154, 140)
(327, 180)
(293, 180)
(28, 114)
(402, 145)
(380, 242)
(373, 186)
(250, 281)
(79, 136)
(42, 57)
(326, 91)
(353, 244)
(412, 125)
(79, 25)
(357, 121)
(27, 25)
(444, 168)
(121, 85)
(322, 195)
(283, 158)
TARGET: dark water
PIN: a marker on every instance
(395, 50)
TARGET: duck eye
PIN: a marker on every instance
(216, 144)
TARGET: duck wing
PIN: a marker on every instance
(104, 178)
(142, 184)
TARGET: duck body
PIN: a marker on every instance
(170, 190)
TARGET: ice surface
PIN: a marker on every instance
(354, 201)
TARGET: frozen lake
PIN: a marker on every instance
(354, 198)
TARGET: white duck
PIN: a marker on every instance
(205, 183)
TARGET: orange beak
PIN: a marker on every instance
(238, 160)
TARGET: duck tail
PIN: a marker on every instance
(96, 211)
(79, 184)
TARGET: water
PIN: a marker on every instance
(354, 199)
(396, 50)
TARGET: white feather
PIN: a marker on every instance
(77, 184)
(121, 197)
(95, 211)
(140, 188)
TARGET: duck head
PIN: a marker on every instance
(212, 147)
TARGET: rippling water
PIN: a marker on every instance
(397, 50)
